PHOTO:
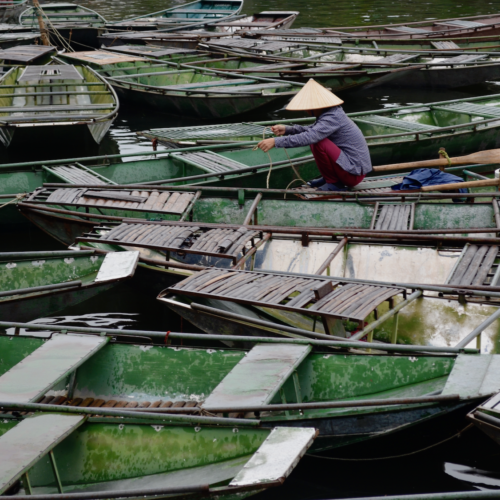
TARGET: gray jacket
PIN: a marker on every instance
(335, 125)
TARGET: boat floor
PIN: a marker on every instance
(213, 474)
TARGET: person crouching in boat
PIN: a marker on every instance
(337, 144)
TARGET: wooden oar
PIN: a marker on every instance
(488, 156)
(458, 185)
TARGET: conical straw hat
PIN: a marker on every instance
(313, 96)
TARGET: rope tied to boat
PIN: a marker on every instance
(19, 197)
(299, 178)
(444, 154)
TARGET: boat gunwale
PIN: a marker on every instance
(101, 20)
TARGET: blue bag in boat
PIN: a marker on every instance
(427, 177)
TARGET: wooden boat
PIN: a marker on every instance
(470, 26)
(24, 54)
(393, 134)
(215, 206)
(324, 37)
(347, 308)
(10, 9)
(342, 68)
(12, 35)
(35, 99)
(190, 380)
(67, 24)
(268, 20)
(34, 284)
(335, 76)
(486, 417)
(174, 455)
(195, 92)
(197, 13)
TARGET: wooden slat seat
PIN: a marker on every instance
(262, 373)
(146, 201)
(67, 14)
(387, 121)
(209, 161)
(23, 445)
(396, 58)
(474, 376)
(52, 108)
(241, 44)
(462, 59)
(446, 44)
(255, 88)
(474, 265)
(45, 367)
(52, 72)
(201, 11)
(378, 185)
(461, 24)
(471, 109)
(225, 243)
(407, 29)
(394, 217)
(310, 296)
(217, 83)
(77, 174)
(210, 132)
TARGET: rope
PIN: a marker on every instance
(299, 178)
(458, 434)
(267, 153)
(18, 197)
(444, 154)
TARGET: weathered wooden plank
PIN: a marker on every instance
(258, 376)
(474, 376)
(276, 457)
(463, 265)
(112, 195)
(474, 265)
(486, 266)
(118, 265)
(42, 369)
(32, 438)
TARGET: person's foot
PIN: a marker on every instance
(332, 187)
(316, 182)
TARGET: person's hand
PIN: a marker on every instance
(266, 145)
(278, 130)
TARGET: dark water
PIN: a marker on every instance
(470, 462)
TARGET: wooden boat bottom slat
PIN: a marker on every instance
(474, 265)
(165, 201)
(395, 123)
(209, 161)
(74, 175)
(328, 298)
(225, 243)
(471, 108)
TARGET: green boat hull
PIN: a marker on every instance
(21, 272)
(138, 373)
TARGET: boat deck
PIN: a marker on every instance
(328, 298)
(188, 238)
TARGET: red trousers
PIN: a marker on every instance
(326, 154)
